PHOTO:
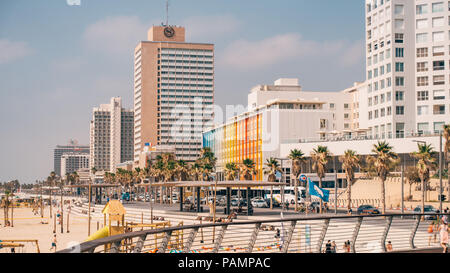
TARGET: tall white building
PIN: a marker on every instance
(111, 135)
(408, 67)
(72, 162)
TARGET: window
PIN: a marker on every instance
(422, 128)
(439, 94)
(438, 22)
(439, 109)
(422, 67)
(399, 67)
(422, 52)
(438, 50)
(399, 24)
(389, 111)
(438, 65)
(400, 110)
(388, 68)
(399, 9)
(422, 9)
(438, 36)
(439, 80)
(421, 23)
(422, 110)
(422, 95)
(438, 7)
(421, 37)
(399, 38)
(422, 81)
(399, 81)
(399, 95)
(399, 52)
(346, 106)
(438, 127)
(400, 130)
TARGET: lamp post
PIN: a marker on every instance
(283, 182)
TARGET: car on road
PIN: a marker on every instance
(275, 203)
(367, 210)
(428, 208)
(259, 203)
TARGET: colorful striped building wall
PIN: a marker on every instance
(236, 141)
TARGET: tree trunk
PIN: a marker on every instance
(423, 195)
(349, 193)
(383, 196)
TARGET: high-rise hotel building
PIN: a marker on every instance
(173, 92)
(111, 136)
(408, 66)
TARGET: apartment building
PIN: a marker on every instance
(408, 67)
(173, 92)
(111, 135)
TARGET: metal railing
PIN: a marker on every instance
(365, 234)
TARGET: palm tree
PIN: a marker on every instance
(426, 163)
(248, 169)
(182, 170)
(298, 158)
(320, 157)
(383, 161)
(271, 169)
(446, 136)
(207, 161)
(231, 171)
(52, 179)
(413, 178)
(350, 160)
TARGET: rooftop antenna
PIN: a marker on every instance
(167, 13)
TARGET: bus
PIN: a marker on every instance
(289, 194)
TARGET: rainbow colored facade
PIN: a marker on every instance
(237, 140)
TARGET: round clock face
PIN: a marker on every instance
(169, 32)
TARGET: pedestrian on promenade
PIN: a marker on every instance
(54, 241)
(389, 247)
(328, 247)
(333, 247)
(443, 229)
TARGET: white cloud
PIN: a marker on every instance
(243, 54)
(115, 35)
(10, 51)
(207, 27)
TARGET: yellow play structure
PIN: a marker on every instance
(115, 212)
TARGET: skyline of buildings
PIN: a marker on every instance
(406, 92)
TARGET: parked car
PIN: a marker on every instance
(259, 203)
(367, 210)
(428, 208)
(275, 203)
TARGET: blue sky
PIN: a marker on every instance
(58, 61)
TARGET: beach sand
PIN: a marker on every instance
(27, 226)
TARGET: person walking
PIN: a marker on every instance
(333, 247)
(328, 247)
(54, 241)
(389, 247)
(443, 229)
